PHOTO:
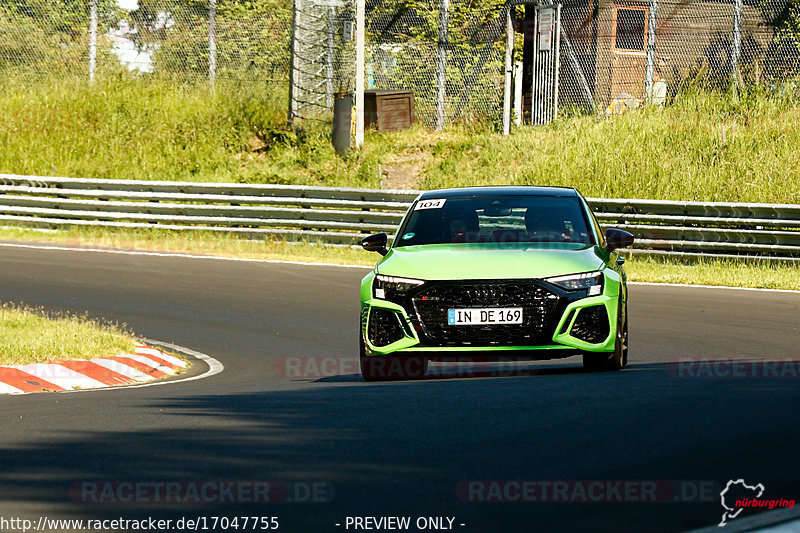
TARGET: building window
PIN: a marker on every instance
(631, 29)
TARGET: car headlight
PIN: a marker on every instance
(387, 285)
(592, 281)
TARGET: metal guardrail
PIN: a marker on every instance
(345, 215)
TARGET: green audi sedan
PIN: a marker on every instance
(497, 272)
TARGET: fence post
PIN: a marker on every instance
(652, 20)
(360, 58)
(518, 93)
(557, 61)
(92, 40)
(212, 41)
(441, 64)
(329, 57)
(736, 46)
(508, 69)
(293, 65)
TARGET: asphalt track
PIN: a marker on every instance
(392, 449)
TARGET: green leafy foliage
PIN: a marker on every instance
(251, 36)
(52, 37)
(48, 35)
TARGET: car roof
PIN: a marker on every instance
(504, 190)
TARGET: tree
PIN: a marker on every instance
(48, 35)
(252, 36)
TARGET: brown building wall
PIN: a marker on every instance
(691, 38)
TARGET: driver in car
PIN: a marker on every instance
(464, 226)
(546, 225)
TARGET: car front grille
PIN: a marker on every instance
(539, 306)
(591, 325)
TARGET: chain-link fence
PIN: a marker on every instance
(636, 51)
(611, 55)
(223, 40)
(453, 55)
(405, 49)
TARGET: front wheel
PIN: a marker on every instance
(391, 367)
(609, 361)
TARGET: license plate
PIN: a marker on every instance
(479, 317)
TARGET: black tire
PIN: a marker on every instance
(616, 360)
(390, 368)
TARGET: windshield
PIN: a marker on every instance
(495, 219)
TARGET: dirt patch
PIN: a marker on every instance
(405, 173)
(256, 144)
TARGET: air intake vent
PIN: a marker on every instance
(384, 327)
(591, 325)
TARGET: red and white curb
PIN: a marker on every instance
(145, 364)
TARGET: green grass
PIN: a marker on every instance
(717, 272)
(123, 128)
(29, 335)
(120, 128)
(658, 270)
(194, 243)
(706, 145)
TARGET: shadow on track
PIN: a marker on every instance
(404, 447)
(453, 370)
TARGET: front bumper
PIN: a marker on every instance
(573, 324)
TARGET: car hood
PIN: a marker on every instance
(492, 261)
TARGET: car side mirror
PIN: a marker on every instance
(376, 243)
(616, 238)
